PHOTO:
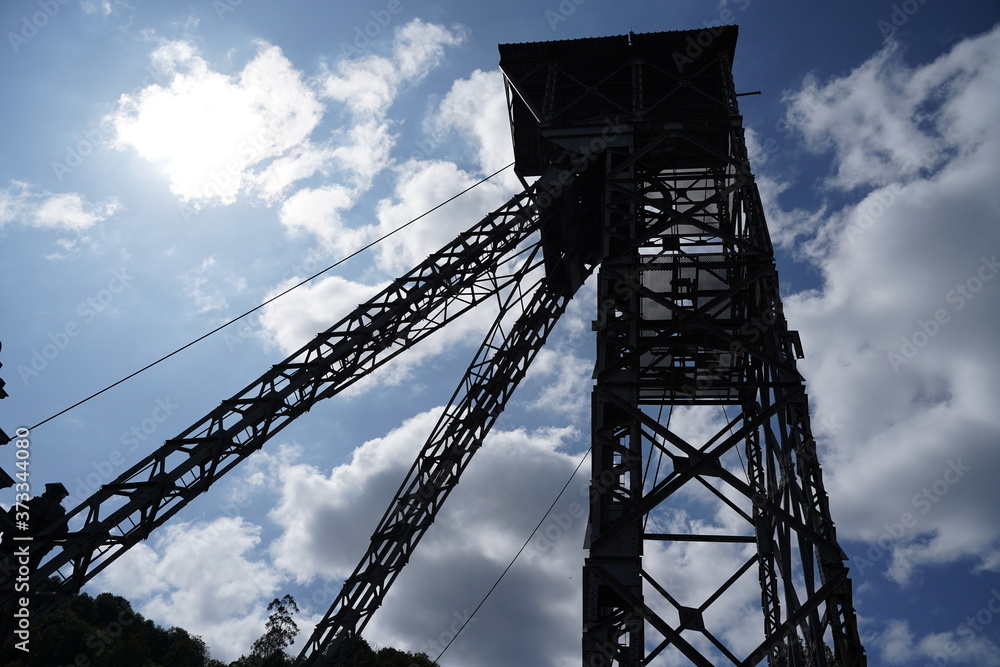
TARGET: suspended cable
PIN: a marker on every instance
(519, 552)
(659, 460)
(272, 299)
(738, 452)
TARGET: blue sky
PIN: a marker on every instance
(170, 166)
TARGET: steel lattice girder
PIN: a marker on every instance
(689, 314)
(519, 331)
(481, 263)
(497, 369)
(687, 266)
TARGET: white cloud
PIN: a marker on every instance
(68, 212)
(564, 380)
(217, 135)
(419, 47)
(206, 290)
(900, 344)
(872, 120)
(296, 318)
(209, 130)
(90, 8)
(200, 576)
(422, 185)
(963, 646)
(476, 108)
(559, 381)
(328, 519)
(318, 211)
(368, 85)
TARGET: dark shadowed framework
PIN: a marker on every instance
(637, 145)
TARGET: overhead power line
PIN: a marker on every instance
(518, 554)
(272, 299)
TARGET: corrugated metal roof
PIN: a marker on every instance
(583, 82)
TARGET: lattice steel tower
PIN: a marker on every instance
(689, 315)
(637, 143)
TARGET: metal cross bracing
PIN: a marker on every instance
(690, 315)
(492, 258)
(526, 318)
(643, 171)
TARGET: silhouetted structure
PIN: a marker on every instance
(637, 143)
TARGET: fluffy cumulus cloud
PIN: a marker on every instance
(207, 289)
(209, 130)
(421, 186)
(366, 88)
(202, 577)
(318, 211)
(900, 338)
(369, 85)
(296, 318)
(66, 212)
(964, 646)
(218, 136)
(327, 519)
(476, 109)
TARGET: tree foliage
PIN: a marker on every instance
(105, 632)
(281, 629)
(363, 655)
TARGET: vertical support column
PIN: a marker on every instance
(613, 608)
(689, 316)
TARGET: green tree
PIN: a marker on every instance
(281, 629)
(106, 632)
(363, 655)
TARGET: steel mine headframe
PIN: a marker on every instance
(689, 314)
(637, 145)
